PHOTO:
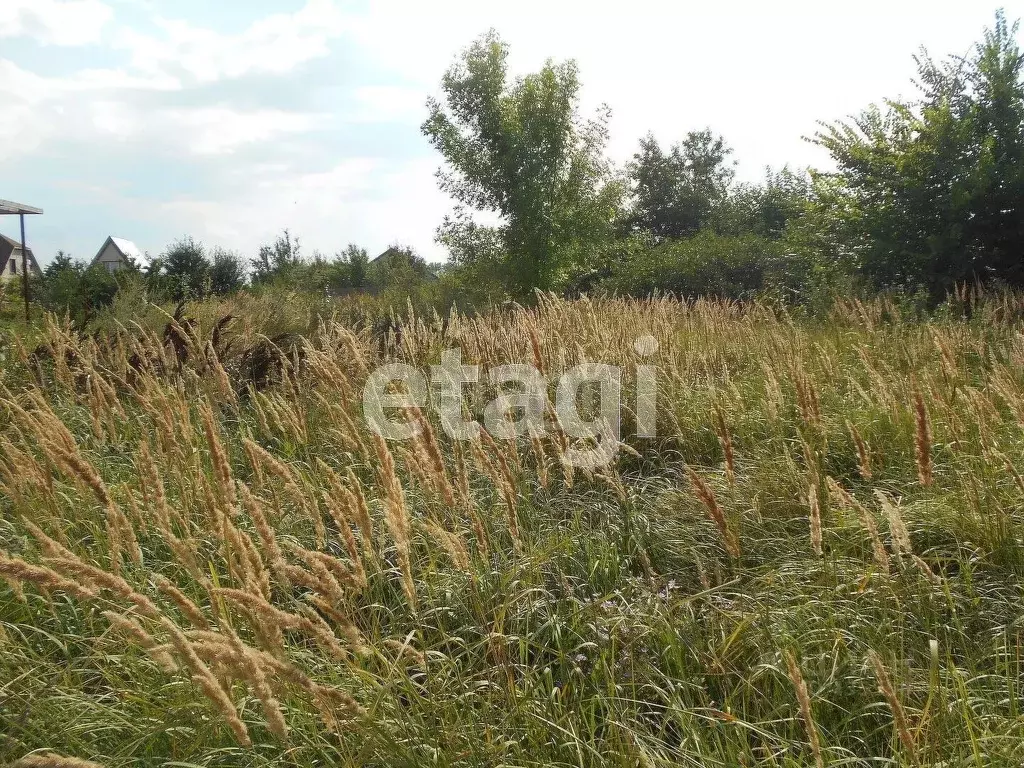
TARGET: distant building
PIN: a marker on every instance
(12, 262)
(389, 254)
(117, 253)
(398, 258)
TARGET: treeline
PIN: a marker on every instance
(926, 194)
(189, 271)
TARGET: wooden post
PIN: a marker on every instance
(24, 268)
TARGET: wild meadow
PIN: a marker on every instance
(209, 559)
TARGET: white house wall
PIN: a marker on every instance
(16, 258)
(110, 258)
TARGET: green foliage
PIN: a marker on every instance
(934, 187)
(187, 269)
(927, 195)
(676, 193)
(619, 632)
(61, 262)
(227, 272)
(519, 150)
(77, 289)
(471, 287)
(355, 275)
(765, 209)
(346, 273)
(398, 267)
(704, 265)
(277, 260)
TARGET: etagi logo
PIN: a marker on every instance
(522, 409)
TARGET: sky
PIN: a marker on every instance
(229, 121)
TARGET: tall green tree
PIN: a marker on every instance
(675, 193)
(187, 269)
(766, 208)
(227, 272)
(353, 267)
(75, 288)
(280, 259)
(518, 149)
(935, 187)
(61, 263)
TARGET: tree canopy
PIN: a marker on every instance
(934, 187)
(675, 193)
(518, 148)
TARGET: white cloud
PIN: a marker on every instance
(114, 118)
(95, 104)
(365, 200)
(272, 45)
(19, 130)
(23, 86)
(219, 130)
(55, 22)
(201, 131)
(389, 103)
(102, 103)
(24, 121)
(117, 79)
(38, 109)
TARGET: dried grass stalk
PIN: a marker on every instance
(867, 519)
(207, 682)
(501, 476)
(191, 611)
(52, 760)
(726, 441)
(46, 579)
(897, 528)
(899, 715)
(130, 628)
(922, 440)
(804, 698)
(814, 503)
(707, 497)
(396, 516)
(221, 464)
(863, 453)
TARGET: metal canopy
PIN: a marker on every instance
(8, 208)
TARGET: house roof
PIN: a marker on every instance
(390, 251)
(11, 208)
(126, 248)
(393, 251)
(7, 247)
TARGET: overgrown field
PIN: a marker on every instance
(209, 559)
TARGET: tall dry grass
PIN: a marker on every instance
(200, 528)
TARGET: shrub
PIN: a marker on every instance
(76, 289)
(704, 265)
(227, 272)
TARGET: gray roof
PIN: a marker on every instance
(396, 251)
(8, 207)
(390, 251)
